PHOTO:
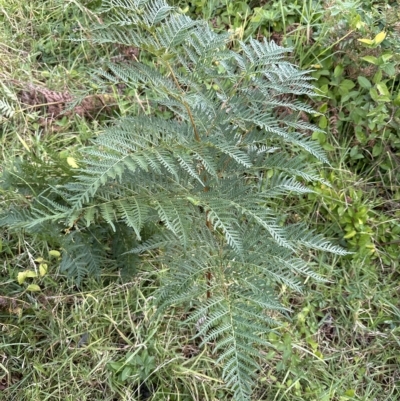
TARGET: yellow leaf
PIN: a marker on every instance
(21, 277)
(366, 41)
(42, 269)
(24, 275)
(15, 311)
(380, 37)
(64, 154)
(351, 234)
(39, 260)
(72, 162)
(55, 253)
(33, 287)
(360, 24)
(319, 355)
(193, 201)
(24, 144)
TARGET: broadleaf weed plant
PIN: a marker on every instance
(196, 179)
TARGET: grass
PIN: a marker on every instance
(62, 343)
(103, 341)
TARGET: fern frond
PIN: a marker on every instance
(156, 242)
(6, 109)
(133, 213)
(82, 255)
(310, 239)
(233, 152)
(116, 34)
(263, 53)
(280, 184)
(156, 11)
(237, 335)
(171, 214)
(176, 31)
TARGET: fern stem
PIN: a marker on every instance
(210, 227)
(196, 134)
(208, 274)
(197, 137)
(209, 277)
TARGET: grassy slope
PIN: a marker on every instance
(57, 344)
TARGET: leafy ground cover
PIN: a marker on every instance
(99, 341)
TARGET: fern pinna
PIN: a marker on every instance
(206, 163)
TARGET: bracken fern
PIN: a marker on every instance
(204, 168)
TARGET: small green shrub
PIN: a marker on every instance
(196, 180)
(358, 73)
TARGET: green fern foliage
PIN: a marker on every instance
(6, 109)
(196, 180)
